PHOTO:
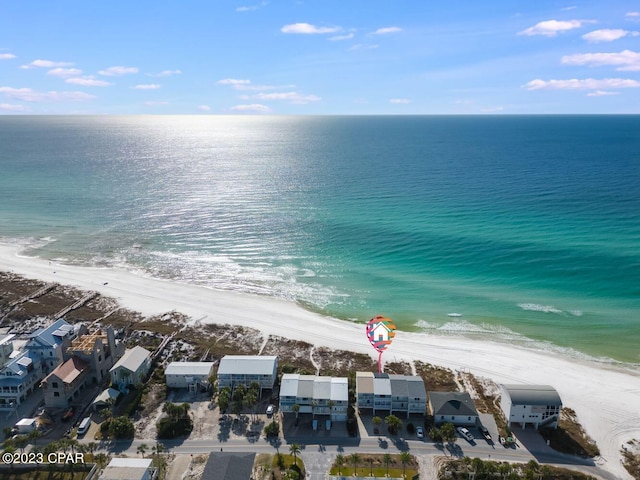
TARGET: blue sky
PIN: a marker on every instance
(319, 57)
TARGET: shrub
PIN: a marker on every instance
(352, 427)
(272, 430)
(121, 427)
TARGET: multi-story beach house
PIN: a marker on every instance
(132, 368)
(191, 375)
(47, 345)
(246, 369)
(65, 383)
(390, 393)
(18, 378)
(452, 407)
(6, 348)
(99, 350)
(315, 395)
(534, 404)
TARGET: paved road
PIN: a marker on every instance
(318, 457)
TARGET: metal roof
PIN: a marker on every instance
(315, 387)
(189, 368)
(126, 469)
(381, 386)
(532, 395)
(416, 387)
(132, 359)
(339, 389)
(247, 365)
(399, 386)
(364, 382)
(52, 334)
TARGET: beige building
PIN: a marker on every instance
(62, 386)
(98, 349)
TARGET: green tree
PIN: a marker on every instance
(377, 421)
(387, 459)
(448, 432)
(142, 449)
(435, 435)
(250, 401)
(121, 427)
(296, 410)
(504, 469)
(272, 430)
(339, 463)
(393, 424)
(355, 458)
(405, 457)
(294, 449)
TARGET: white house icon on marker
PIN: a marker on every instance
(380, 332)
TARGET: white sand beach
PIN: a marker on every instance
(606, 398)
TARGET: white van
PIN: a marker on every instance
(84, 426)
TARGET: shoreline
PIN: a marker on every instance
(603, 395)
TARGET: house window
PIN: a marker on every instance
(54, 384)
(469, 418)
(50, 353)
(56, 394)
(442, 417)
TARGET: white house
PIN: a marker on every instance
(129, 469)
(246, 369)
(390, 393)
(316, 395)
(190, 375)
(535, 404)
(132, 368)
(452, 407)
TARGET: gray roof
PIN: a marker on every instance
(399, 386)
(532, 395)
(247, 364)
(229, 466)
(416, 387)
(132, 359)
(315, 387)
(189, 368)
(452, 403)
(126, 469)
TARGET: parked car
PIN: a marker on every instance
(419, 432)
(465, 433)
(502, 441)
(485, 432)
(270, 410)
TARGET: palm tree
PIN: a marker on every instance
(142, 448)
(376, 423)
(314, 405)
(339, 463)
(331, 405)
(504, 469)
(355, 458)
(393, 423)
(387, 459)
(296, 409)
(405, 457)
(294, 449)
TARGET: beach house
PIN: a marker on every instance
(537, 405)
(99, 350)
(390, 393)
(132, 368)
(129, 469)
(316, 395)
(6, 348)
(18, 378)
(48, 344)
(246, 369)
(452, 407)
(191, 375)
(63, 385)
(229, 466)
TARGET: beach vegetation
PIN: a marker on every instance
(448, 433)
(176, 423)
(570, 437)
(118, 428)
(631, 457)
(436, 379)
(287, 467)
(464, 468)
(376, 465)
(272, 430)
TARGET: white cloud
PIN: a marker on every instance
(233, 81)
(362, 46)
(582, 84)
(254, 107)
(165, 73)
(250, 8)
(147, 86)
(7, 56)
(386, 30)
(29, 95)
(204, 108)
(338, 38)
(64, 72)
(118, 71)
(46, 64)
(293, 97)
(601, 93)
(308, 29)
(550, 28)
(9, 107)
(632, 14)
(88, 81)
(566, 9)
(626, 60)
(400, 101)
(607, 35)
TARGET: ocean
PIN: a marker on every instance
(527, 227)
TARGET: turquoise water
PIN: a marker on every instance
(528, 226)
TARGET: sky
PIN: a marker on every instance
(319, 57)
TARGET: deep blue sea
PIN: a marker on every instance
(526, 226)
